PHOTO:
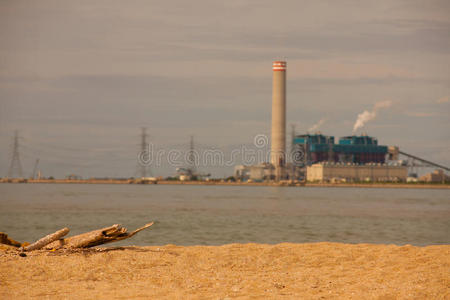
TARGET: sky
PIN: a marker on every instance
(78, 79)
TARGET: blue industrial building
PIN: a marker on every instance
(314, 148)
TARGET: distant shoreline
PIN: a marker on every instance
(279, 184)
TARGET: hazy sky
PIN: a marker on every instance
(79, 78)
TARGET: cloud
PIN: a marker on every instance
(420, 114)
(443, 100)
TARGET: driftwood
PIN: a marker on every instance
(4, 239)
(47, 240)
(94, 238)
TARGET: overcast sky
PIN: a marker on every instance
(79, 78)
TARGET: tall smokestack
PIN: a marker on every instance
(278, 138)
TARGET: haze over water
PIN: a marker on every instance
(214, 215)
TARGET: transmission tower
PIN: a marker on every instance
(191, 156)
(33, 175)
(15, 161)
(144, 155)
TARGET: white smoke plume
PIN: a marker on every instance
(367, 116)
(316, 126)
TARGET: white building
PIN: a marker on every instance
(435, 176)
(328, 172)
(260, 172)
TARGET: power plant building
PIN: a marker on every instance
(354, 158)
(317, 148)
(259, 172)
(339, 172)
(317, 157)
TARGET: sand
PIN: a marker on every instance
(235, 271)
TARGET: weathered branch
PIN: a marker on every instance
(47, 240)
(97, 237)
(4, 239)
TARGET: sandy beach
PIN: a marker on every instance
(234, 271)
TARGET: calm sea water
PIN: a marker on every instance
(214, 215)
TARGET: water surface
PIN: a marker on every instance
(214, 215)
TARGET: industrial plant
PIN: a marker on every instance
(318, 158)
